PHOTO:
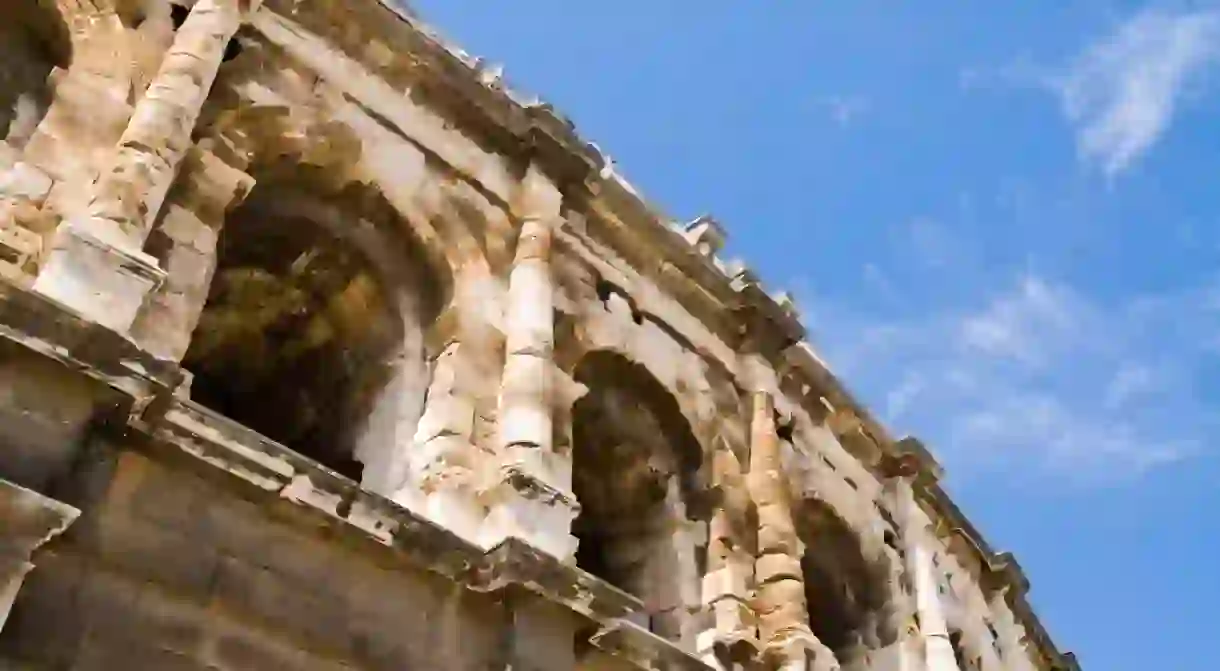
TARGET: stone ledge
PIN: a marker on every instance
(29, 519)
(220, 448)
(644, 649)
(45, 327)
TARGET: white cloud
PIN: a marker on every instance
(1022, 324)
(931, 242)
(1122, 92)
(846, 109)
(1038, 379)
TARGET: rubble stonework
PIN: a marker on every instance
(322, 348)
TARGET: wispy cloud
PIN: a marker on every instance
(844, 110)
(1121, 93)
(1038, 379)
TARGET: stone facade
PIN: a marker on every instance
(322, 349)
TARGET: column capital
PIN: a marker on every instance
(538, 197)
(909, 458)
(899, 466)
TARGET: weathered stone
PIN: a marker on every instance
(29, 520)
(354, 358)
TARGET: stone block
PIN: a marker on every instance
(169, 499)
(542, 635)
(170, 623)
(237, 646)
(26, 182)
(44, 411)
(104, 280)
(524, 507)
(243, 530)
(108, 654)
(174, 560)
(294, 609)
(772, 567)
(727, 582)
(776, 532)
(46, 626)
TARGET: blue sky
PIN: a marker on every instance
(1001, 222)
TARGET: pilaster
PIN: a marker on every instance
(531, 498)
(732, 636)
(919, 551)
(783, 620)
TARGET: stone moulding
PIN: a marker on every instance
(264, 468)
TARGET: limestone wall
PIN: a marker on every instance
(345, 234)
(166, 571)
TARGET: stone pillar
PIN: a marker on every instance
(88, 111)
(525, 395)
(531, 499)
(783, 619)
(97, 265)
(445, 464)
(918, 550)
(731, 638)
(27, 520)
(90, 107)
(184, 244)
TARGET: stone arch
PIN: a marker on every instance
(636, 471)
(276, 144)
(315, 327)
(34, 41)
(846, 592)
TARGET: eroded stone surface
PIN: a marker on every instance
(353, 357)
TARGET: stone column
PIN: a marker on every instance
(783, 619)
(184, 244)
(97, 265)
(27, 520)
(918, 550)
(90, 108)
(531, 499)
(525, 423)
(46, 174)
(731, 638)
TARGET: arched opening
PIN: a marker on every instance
(33, 42)
(312, 333)
(635, 473)
(845, 593)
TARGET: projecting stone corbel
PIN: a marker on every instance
(27, 521)
(706, 235)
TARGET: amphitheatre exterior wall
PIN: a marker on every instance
(321, 348)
